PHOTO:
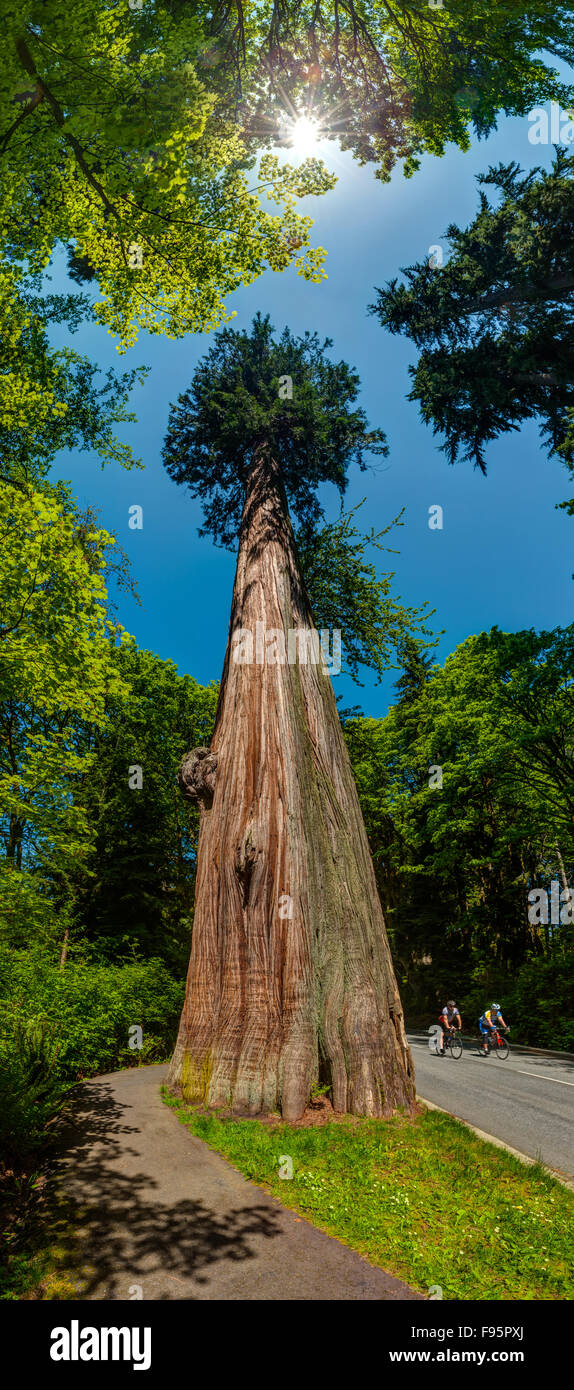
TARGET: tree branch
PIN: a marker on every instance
(27, 111)
(28, 63)
(524, 294)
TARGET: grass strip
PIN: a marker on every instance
(424, 1199)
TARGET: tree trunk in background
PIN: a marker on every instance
(290, 979)
(562, 869)
(64, 948)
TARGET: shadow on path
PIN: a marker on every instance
(148, 1211)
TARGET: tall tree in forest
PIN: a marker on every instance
(494, 324)
(290, 977)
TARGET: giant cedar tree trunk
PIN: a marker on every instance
(275, 1002)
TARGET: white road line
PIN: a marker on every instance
(520, 1072)
(553, 1079)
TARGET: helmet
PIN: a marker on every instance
(495, 1006)
(451, 1004)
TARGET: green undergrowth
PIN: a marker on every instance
(424, 1199)
(39, 1255)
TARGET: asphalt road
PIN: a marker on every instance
(155, 1214)
(527, 1101)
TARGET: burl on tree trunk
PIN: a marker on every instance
(290, 979)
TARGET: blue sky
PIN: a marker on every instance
(505, 555)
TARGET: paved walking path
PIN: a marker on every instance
(159, 1215)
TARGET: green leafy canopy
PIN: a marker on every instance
(53, 399)
(387, 81)
(238, 402)
(128, 134)
(109, 144)
(347, 593)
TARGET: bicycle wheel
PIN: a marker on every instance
(502, 1049)
(456, 1047)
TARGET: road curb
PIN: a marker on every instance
(498, 1143)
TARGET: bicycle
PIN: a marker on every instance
(493, 1041)
(452, 1041)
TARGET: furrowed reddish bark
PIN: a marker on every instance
(290, 979)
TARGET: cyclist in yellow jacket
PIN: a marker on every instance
(488, 1021)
